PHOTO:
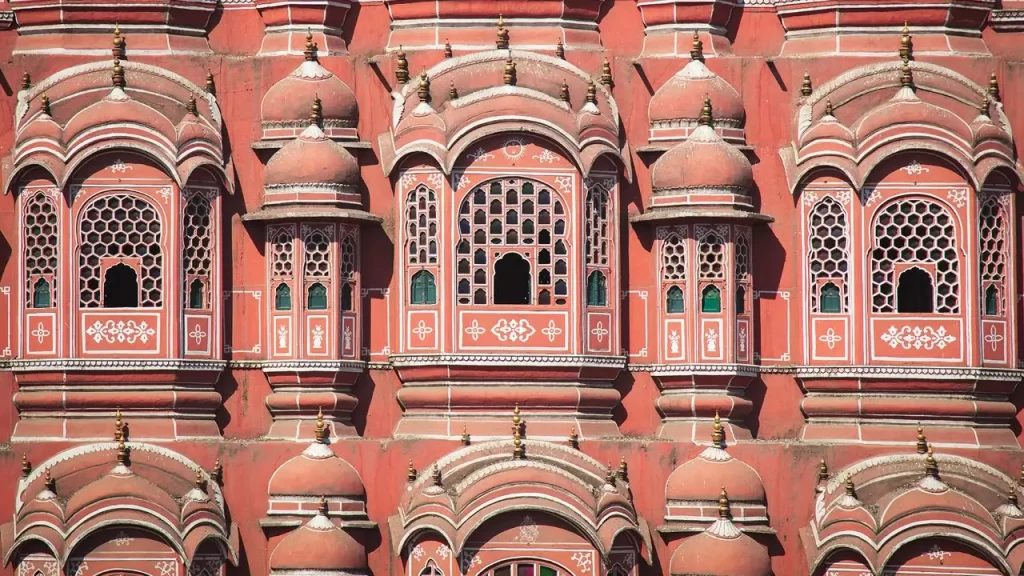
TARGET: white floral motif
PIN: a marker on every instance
(551, 331)
(830, 338)
(711, 339)
(545, 157)
(958, 196)
(418, 552)
(918, 338)
(25, 568)
(564, 183)
(121, 331)
(119, 167)
(318, 336)
(347, 335)
(599, 332)
(208, 566)
(443, 551)
(528, 531)
(78, 567)
(844, 196)
(513, 330)
(122, 539)
(282, 337)
(870, 195)
(167, 567)
(51, 569)
(583, 560)
(742, 335)
(40, 332)
(936, 553)
(407, 180)
(463, 182)
(915, 167)
(810, 197)
(475, 330)
(993, 337)
(421, 330)
(436, 179)
(198, 334)
(479, 155)
(674, 340)
(165, 192)
(52, 193)
(468, 559)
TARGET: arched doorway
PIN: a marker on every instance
(512, 280)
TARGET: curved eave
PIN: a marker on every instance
(661, 214)
(300, 212)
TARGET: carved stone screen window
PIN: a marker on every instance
(124, 229)
(197, 226)
(711, 252)
(348, 269)
(282, 264)
(915, 231)
(673, 272)
(316, 240)
(421, 226)
(992, 222)
(41, 250)
(512, 245)
(526, 568)
(743, 278)
(828, 256)
(596, 234)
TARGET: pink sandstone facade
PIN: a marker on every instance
(536, 288)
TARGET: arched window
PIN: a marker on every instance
(423, 289)
(914, 292)
(526, 568)
(993, 255)
(197, 237)
(711, 252)
(711, 300)
(597, 290)
(316, 298)
(196, 291)
(283, 297)
(431, 569)
(741, 300)
(41, 246)
(127, 228)
(512, 280)
(915, 231)
(348, 256)
(421, 215)
(41, 297)
(991, 301)
(674, 301)
(828, 256)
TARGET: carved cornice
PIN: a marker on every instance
(697, 369)
(309, 365)
(922, 372)
(414, 360)
(76, 364)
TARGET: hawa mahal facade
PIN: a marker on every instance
(536, 288)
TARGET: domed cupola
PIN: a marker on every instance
(284, 109)
(675, 110)
(319, 547)
(721, 550)
(43, 127)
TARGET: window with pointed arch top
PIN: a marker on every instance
(991, 301)
(283, 297)
(346, 298)
(674, 300)
(512, 280)
(597, 290)
(915, 293)
(526, 568)
(195, 295)
(431, 569)
(741, 300)
(41, 297)
(424, 291)
(711, 300)
(316, 297)
(121, 287)
(830, 298)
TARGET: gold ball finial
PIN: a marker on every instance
(44, 104)
(563, 92)
(316, 114)
(322, 508)
(591, 93)
(1011, 497)
(465, 436)
(696, 48)
(851, 490)
(49, 482)
(118, 50)
(515, 416)
(199, 479)
(517, 443)
(211, 86)
(606, 74)
(447, 49)
(401, 67)
(828, 107)
(906, 75)
(436, 475)
(805, 85)
(218, 472)
(931, 467)
(574, 438)
(822, 470)
(623, 472)
(510, 72)
(453, 92)
(717, 436)
(986, 103)
(993, 87)
(609, 476)
(502, 41)
(724, 511)
(310, 51)
(118, 76)
(423, 89)
(410, 474)
(122, 453)
(321, 428)
(922, 442)
(191, 106)
(26, 467)
(26, 81)
(906, 44)
(560, 50)
(705, 118)
(118, 426)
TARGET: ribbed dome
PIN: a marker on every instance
(317, 472)
(288, 100)
(906, 108)
(704, 477)
(680, 98)
(828, 127)
(721, 550)
(121, 483)
(704, 161)
(192, 127)
(44, 126)
(118, 108)
(319, 547)
(312, 158)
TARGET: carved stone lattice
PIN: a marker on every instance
(126, 226)
(283, 251)
(993, 246)
(742, 258)
(198, 242)
(41, 244)
(421, 216)
(317, 259)
(673, 258)
(711, 256)
(597, 227)
(828, 251)
(348, 256)
(916, 231)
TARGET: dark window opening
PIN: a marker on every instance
(316, 299)
(544, 297)
(741, 300)
(831, 303)
(991, 301)
(512, 280)
(597, 290)
(121, 287)
(346, 298)
(424, 291)
(480, 297)
(914, 292)
(41, 297)
(195, 295)
(711, 300)
(674, 300)
(283, 297)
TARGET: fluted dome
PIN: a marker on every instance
(317, 472)
(319, 546)
(679, 100)
(118, 108)
(288, 100)
(828, 127)
(312, 159)
(721, 550)
(192, 127)
(905, 108)
(43, 126)
(703, 163)
(702, 478)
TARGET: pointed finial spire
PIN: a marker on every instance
(560, 50)
(574, 438)
(447, 49)
(322, 508)
(122, 453)
(517, 443)
(316, 114)
(191, 107)
(906, 45)
(510, 72)
(118, 76)
(44, 104)
(465, 436)
(118, 426)
(591, 93)
(435, 474)
(310, 52)
(48, 481)
(822, 471)
(453, 92)
(993, 87)
(931, 467)
(218, 472)
(199, 480)
(423, 90)
(26, 81)
(563, 92)
(1021, 479)
(410, 474)
(906, 76)
(983, 108)
(321, 429)
(851, 490)
(606, 74)
(402, 67)
(805, 85)
(211, 86)
(1011, 497)
(118, 49)
(623, 473)
(502, 42)
(717, 436)
(705, 118)
(828, 107)
(724, 511)
(922, 442)
(696, 48)
(26, 468)
(609, 476)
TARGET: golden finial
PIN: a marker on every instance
(436, 475)
(322, 508)
(453, 92)
(118, 75)
(574, 438)
(606, 74)
(1021, 480)
(563, 92)
(218, 472)
(191, 107)
(402, 67)
(410, 475)
(510, 72)
(805, 86)
(465, 436)
(211, 86)
(591, 93)
(623, 472)
(723, 505)
(310, 53)
(560, 50)
(828, 107)
(851, 490)
(118, 50)
(705, 117)
(26, 468)
(993, 87)
(515, 416)
(48, 481)
(1011, 498)
(517, 443)
(922, 442)
(986, 102)
(502, 42)
(822, 471)
(906, 45)
(931, 467)
(609, 477)
(316, 114)
(423, 90)
(44, 104)
(447, 49)
(906, 76)
(321, 429)
(199, 479)
(122, 453)
(118, 426)
(717, 436)
(26, 81)
(696, 48)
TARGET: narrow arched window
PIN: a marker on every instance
(597, 290)
(711, 300)
(195, 294)
(994, 253)
(915, 293)
(316, 298)
(41, 247)
(674, 300)
(423, 291)
(346, 298)
(741, 300)
(283, 297)
(831, 301)
(991, 301)
(41, 294)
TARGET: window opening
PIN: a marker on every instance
(431, 569)
(597, 290)
(674, 300)
(120, 226)
(195, 294)
(421, 213)
(197, 232)
(711, 300)
(828, 255)
(992, 219)
(831, 299)
(316, 298)
(914, 292)
(711, 252)
(741, 300)
(424, 291)
(991, 301)
(120, 287)
(41, 297)
(283, 297)
(41, 246)
(511, 280)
